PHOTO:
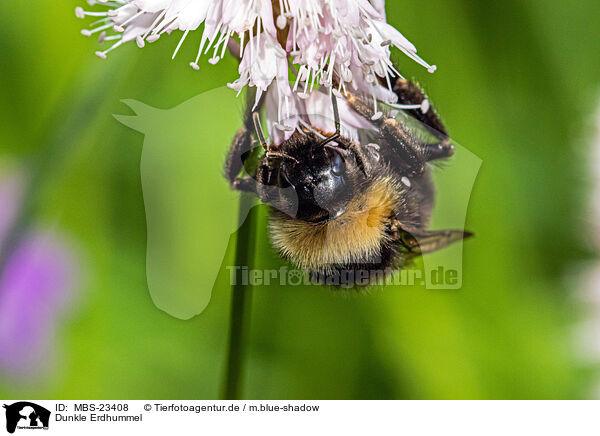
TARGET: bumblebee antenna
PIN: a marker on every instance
(336, 119)
(261, 138)
(278, 154)
(259, 131)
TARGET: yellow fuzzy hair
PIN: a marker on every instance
(354, 236)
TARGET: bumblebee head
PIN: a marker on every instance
(315, 182)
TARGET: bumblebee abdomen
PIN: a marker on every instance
(357, 240)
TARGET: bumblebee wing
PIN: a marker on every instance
(421, 242)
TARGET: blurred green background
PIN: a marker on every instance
(517, 84)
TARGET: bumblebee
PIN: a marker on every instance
(341, 207)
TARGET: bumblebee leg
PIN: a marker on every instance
(361, 157)
(393, 132)
(411, 94)
(437, 151)
(238, 153)
(242, 144)
(244, 184)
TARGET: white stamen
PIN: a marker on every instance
(87, 32)
(331, 42)
(180, 42)
(405, 106)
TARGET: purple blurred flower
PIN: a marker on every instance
(36, 283)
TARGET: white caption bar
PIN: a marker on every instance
(300, 417)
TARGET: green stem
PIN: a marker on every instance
(241, 298)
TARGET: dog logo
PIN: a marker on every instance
(26, 415)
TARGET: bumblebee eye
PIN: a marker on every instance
(338, 166)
